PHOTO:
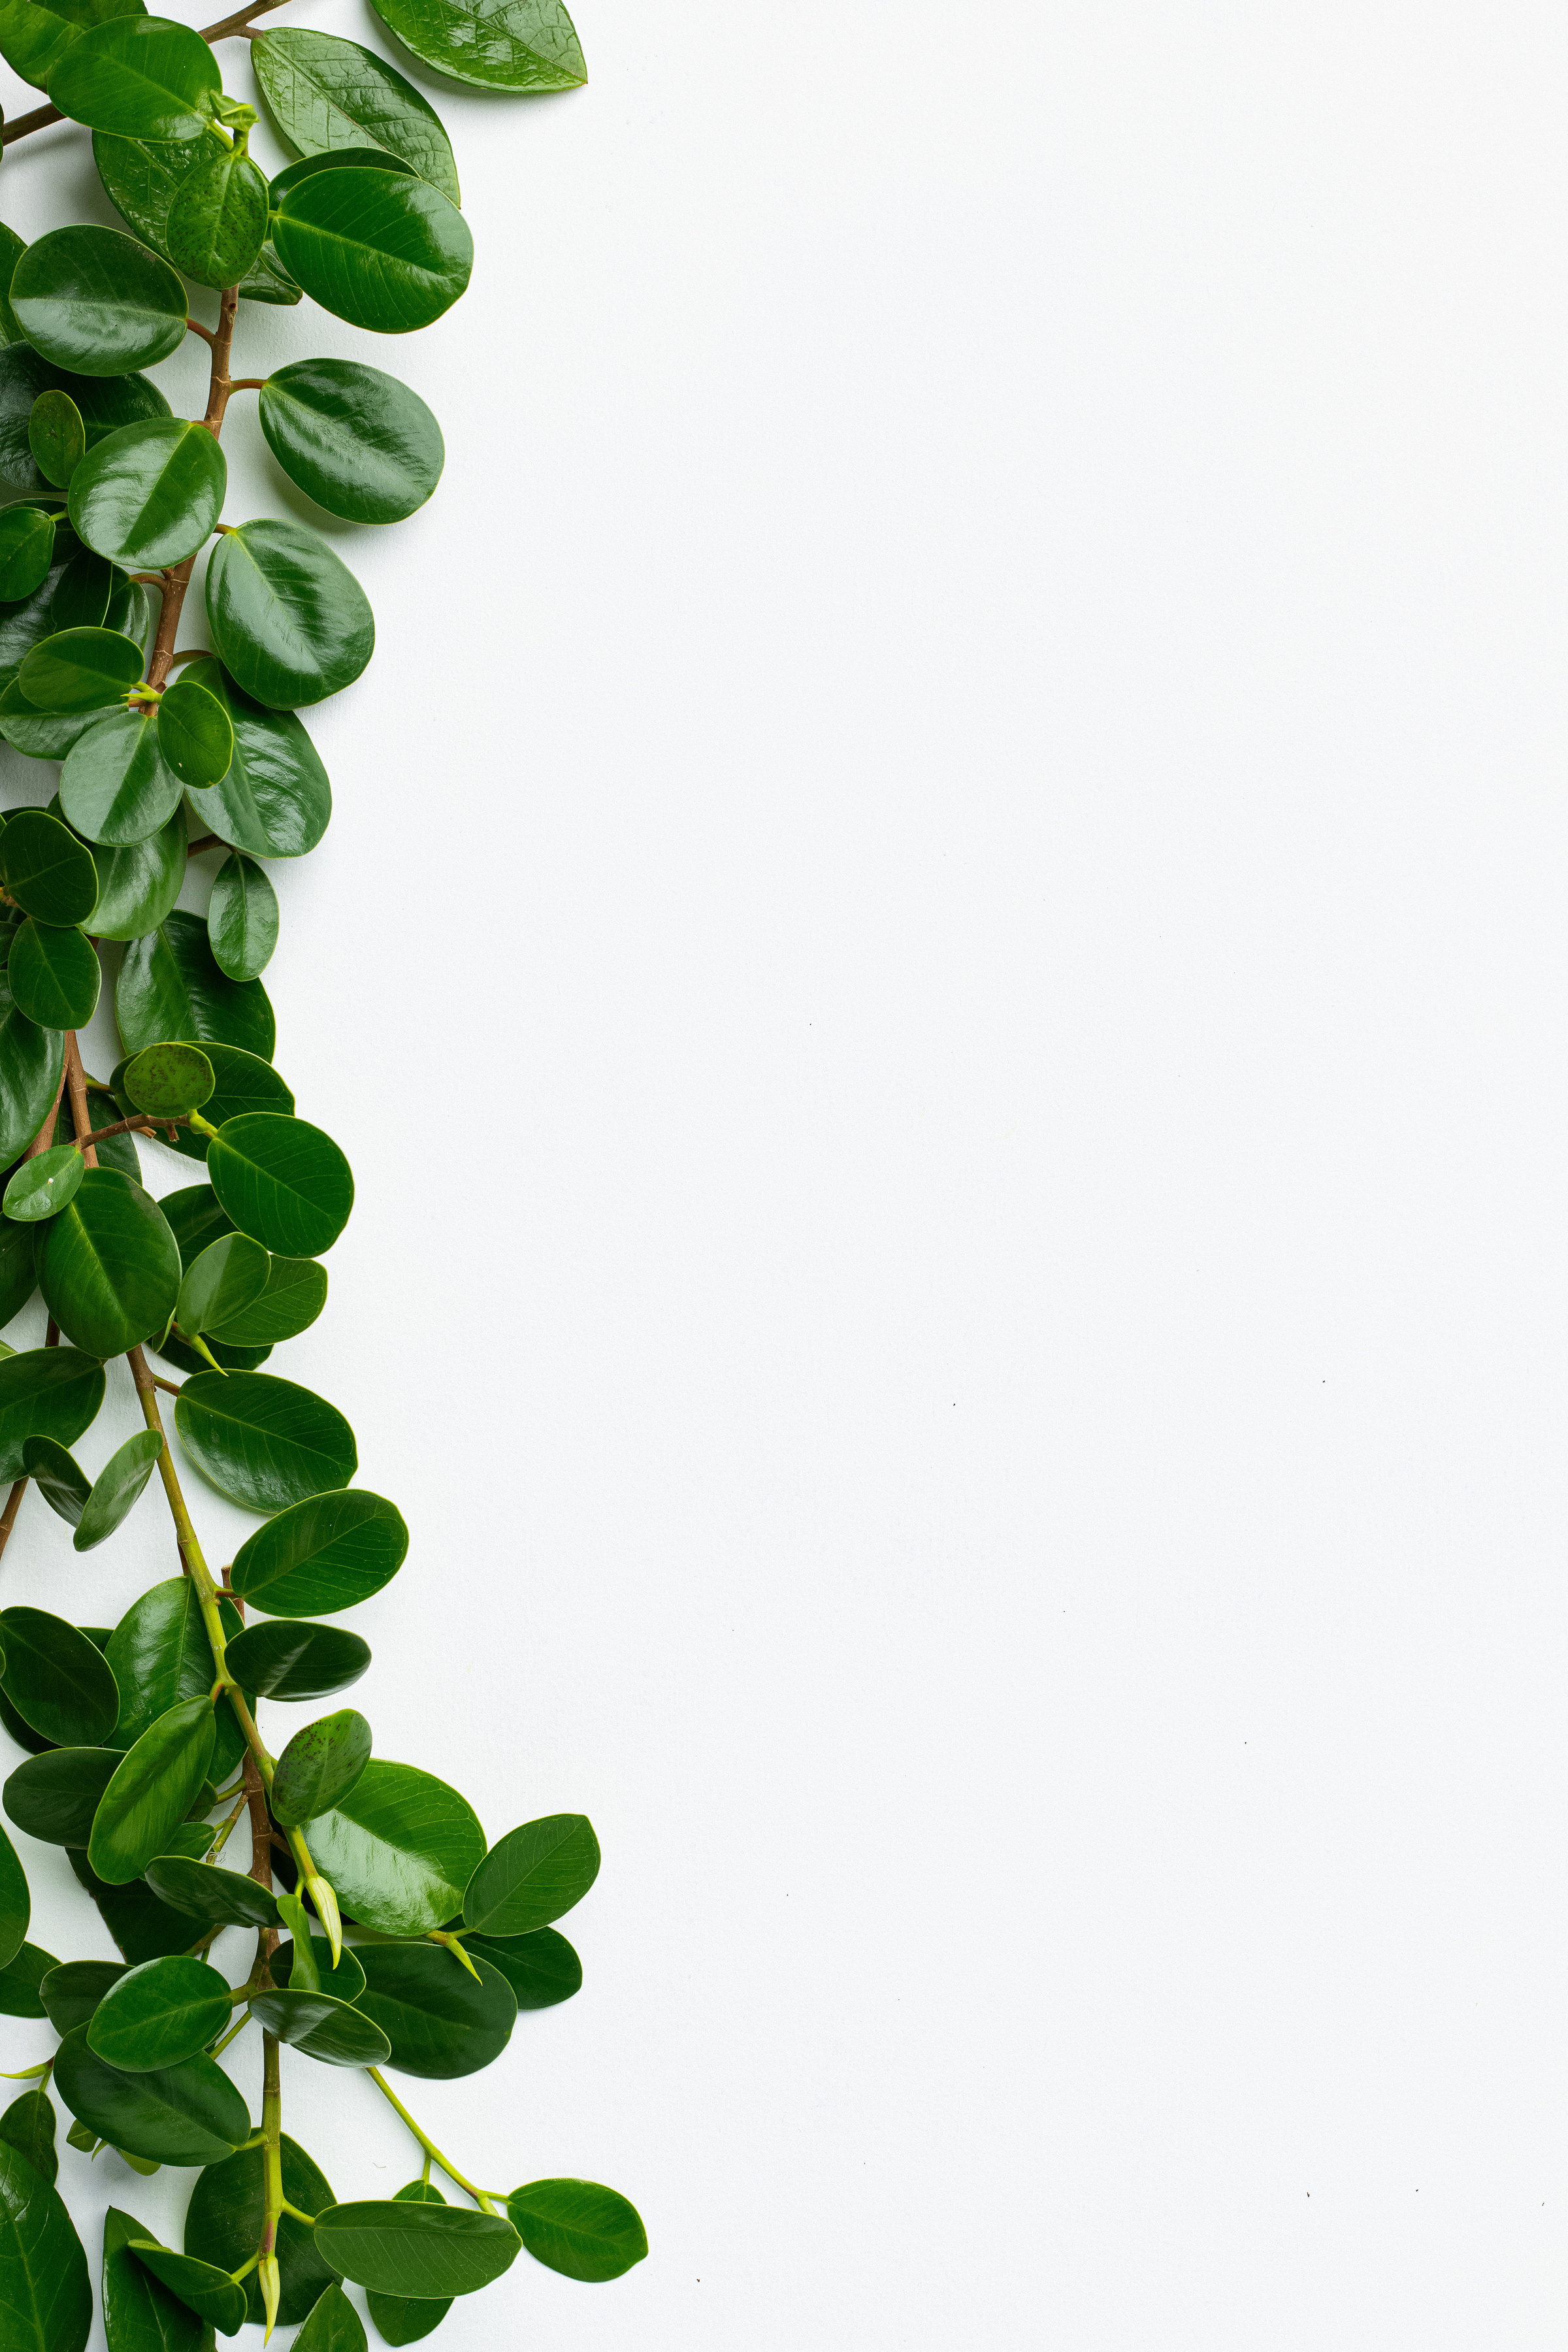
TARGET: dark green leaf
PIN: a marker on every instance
(170, 989)
(378, 249)
(107, 1265)
(57, 1679)
(533, 1875)
(26, 549)
(578, 2228)
(409, 2319)
(46, 2298)
(160, 1653)
(291, 1660)
(20, 1980)
(295, 1295)
(223, 2226)
(19, 1271)
(141, 1926)
(371, 158)
(320, 1766)
(417, 2249)
(224, 1279)
(541, 1968)
(282, 1182)
(288, 618)
(325, 93)
(41, 1186)
(195, 736)
(57, 440)
(242, 918)
(211, 2293)
(12, 248)
(244, 1082)
(159, 2013)
(54, 1796)
(262, 1440)
(139, 2315)
(94, 300)
(33, 39)
(15, 1903)
(139, 884)
(150, 1796)
(323, 2028)
(150, 494)
(115, 786)
(54, 975)
(140, 77)
(217, 221)
(398, 1849)
(31, 1060)
(346, 1981)
(166, 1081)
(104, 403)
(75, 670)
(327, 1553)
(358, 442)
(46, 870)
(518, 45)
(194, 1218)
(71, 1994)
(45, 1393)
(40, 734)
(275, 801)
(334, 2325)
(440, 2022)
(28, 2126)
(55, 1473)
(80, 596)
(189, 2114)
(204, 1890)
(117, 1487)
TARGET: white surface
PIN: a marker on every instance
(941, 959)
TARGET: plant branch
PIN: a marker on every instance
(428, 2143)
(42, 116)
(222, 342)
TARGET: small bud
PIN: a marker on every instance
(271, 2290)
(326, 1902)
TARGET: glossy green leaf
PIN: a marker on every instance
(244, 1082)
(195, 736)
(262, 1440)
(150, 1796)
(439, 2021)
(242, 918)
(15, 1903)
(20, 1980)
(55, 975)
(325, 93)
(140, 77)
(346, 1981)
(358, 442)
(166, 1081)
(48, 871)
(40, 734)
(334, 2325)
(97, 302)
(18, 1270)
(79, 669)
(31, 1060)
(295, 1295)
(12, 248)
(282, 1182)
(26, 550)
(533, 1875)
(115, 787)
(223, 2226)
(517, 45)
(46, 2297)
(139, 2315)
(320, 1766)
(578, 2228)
(157, 2015)
(217, 221)
(45, 1393)
(204, 1890)
(59, 1479)
(417, 2249)
(82, 590)
(194, 1218)
(290, 620)
(409, 2319)
(189, 2114)
(398, 1849)
(222, 1281)
(275, 801)
(108, 1264)
(57, 440)
(33, 39)
(327, 1553)
(170, 991)
(57, 1679)
(142, 1927)
(378, 249)
(139, 884)
(325, 2028)
(369, 159)
(160, 1653)
(28, 2126)
(150, 494)
(541, 1968)
(41, 1186)
(54, 1796)
(292, 1659)
(117, 1487)
(71, 1993)
(103, 402)
(210, 2293)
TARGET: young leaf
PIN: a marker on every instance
(417, 2249)
(242, 918)
(290, 620)
(533, 1875)
(41, 1186)
(54, 1796)
(47, 872)
(541, 1968)
(242, 1082)
(149, 1795)
(139, 2315)
(189, 2114)
(262, 1440)
(295, 1295)
(167, 1081)
(107, 1265)
(378, 249)
(224, 1279)
(222, 2225)
(320, 1766)
(45, 1393)
(440, 2021)
(150, 494)
(310, 1967)
(117, 1487)
(97, 302)
(293, 1660)
(115, 786)
(55, 975)
(325, 93)
(28, 2126)
(210, 2293)
(141, 77)
(57, 1679)
(275, 800)
(399, 1849)
(159, 2013)
(195, 735)
(522, 45)
(327, 1553)
(323, 2028)
(358, 442)
(207, 1891)
(578, 2228)
(217, 221)
(46, 2297)
(282, 1182)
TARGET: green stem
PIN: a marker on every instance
(235, 2031)
(428, 2144)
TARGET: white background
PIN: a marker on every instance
(941, 958)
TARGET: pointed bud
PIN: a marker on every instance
(326, 1902)
(271, 2290)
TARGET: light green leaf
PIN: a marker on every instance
(217, 221)
(325, 93)
(41, 1186)
(517, 45)
(578, 2228)
(167, 1081)
(221, 1282)
(320, 1766)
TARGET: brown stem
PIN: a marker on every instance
(140, 1124)
(217, 401)
(76, 1087)
(42, 116)
(45, 1134)
(208, 841)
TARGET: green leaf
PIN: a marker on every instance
(46, 2298)
(325, 93)
(320, 1766)
(195, 735)
(26, 550)
(54, 1472)
(142, 1927)
(439, 2021)
(408, 2319)
(282, 1182)
(378, 249)
(295, 1660)
(12, 248)
(107, 1265)
(45, 1393)
(167, 1081)
(140, 77)
(41, 1186)
(541, 1968)
(57, 440)
(150, 494)
(295, 1295)
(149, 1796)
(97, 302)
(57, 1679)
(194, 1218)
(243, 1082)
(53, 974)
(139, 2315)
(210, 2293)
(139, 884)
(160, 1653)
(18, 1272)
(217, 221)
(15, 1903)
(71, 1993)
(115, 787)
(533, 1875)
(323, 2028)
(346, 1981)
(54, 1796)
(275, 800)
(334, 2325)
(28, 2126)
(82, 590)
(222, 1281)
(78, 669)
(358, 442)
(359, 158)
(47, 871)
(578, 2228)
(290, 620)
(170, 991)
(104, 403)
(398, 1849)
(33, 39)
(329, 1552)
(117, 1487)
(159, 2013)
(189, 2114)
(40, 734)
(223, 2226)
(205, 1891)
(517, 45)
(262, 1440)
(415, 2249)
(20, 1980)
(31, 1060)
(242, 918)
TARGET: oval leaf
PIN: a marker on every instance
(282, 1182)
(109, 1267)
(44, 2292)
(189, 2114)
(292, 1660)
(440, 2021)
(533, 1875)
(523, 45)
(398, 1849)
(95, 302)
(217, 221)
(295, 1295)
(195, 736)
(328, 1553)
(261, 1441)
(323, 2028)
(41, 1186)
(159, 2013)
(149, 1795)
(170, 991)
(320, 1766)
(45, 1393)
(417, 2249)
(150, 494)
(115, 786)
(275, 800)
(53, 974)
(290, 620)
(57, 1679)
(378, 249)
(242, 918)
(54, 1796)
(46, 870)
(325, 93)
(358, 442)
(578, 2228)
(205, 1891)
(167, 1081)
(117, 1487)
